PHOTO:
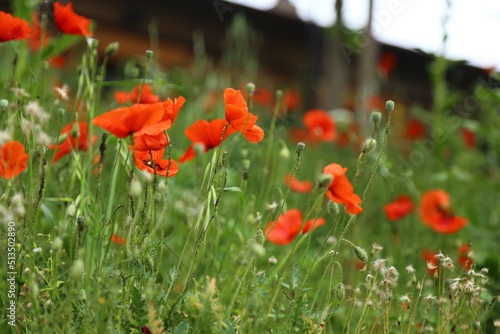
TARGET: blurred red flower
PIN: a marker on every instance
(414, 130)
(207, 133)
(298, 186)
(118, 240)
(288, 226)
(147, 95)
(469, 138)
(240, 118)
(153, 162)
(13, 159)
(432, 263)
(68, 22)
(387, 63)
(76, 138)
(400, 207)
(13, 28)
(340, 190)
(463, 256)
(320, 127)
(125, 120)
(436, 212)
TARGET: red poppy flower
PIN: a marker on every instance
(13, 28)
(208, 134)
(68, 22)
(76, 134)
(152, 137)
(38, 35)
(153, 162)
(340, 189)
(400, 207)
(13, 159)
(469, 138)
(240, 118)
(147, 95)
(288, 226)
(290, 101)
(118, 240)
(463, 256)
(298, 186)
(125, 120)
(414, 130)
(387, 63)
(320, 127)
(263, 97)
(436, 212)
(432, 262)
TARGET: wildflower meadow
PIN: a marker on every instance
(196, 200)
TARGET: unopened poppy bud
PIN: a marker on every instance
(360, 254)
(149, 54)
(278, 94)
(112, 48)
(284, 153)
(245, 163)
(259, 237)
(389, 106)
(340, 291)
(369, 145)
(272, 260)
(57, 244)
(324, 180)
(71, 210)
(376, 117)
(250, 88)
(199, 149)
(75, 130)
(135, 187)
(476, 325)
(332, 208)
(257, 249)
(61, 112)
(4, 104)
(92, 43)
(300, 146)
(77, 270)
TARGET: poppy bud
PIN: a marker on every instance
(340, 291)
(77, 270)
(369, 145)
(284, 153)
(92, 43)
(332, 208)
(135, 187)
(149, 54)
(272, 260)
(376, 117)
(324, 180)
(259, 237)
(245, 163)
(61, 112)
(71, 210)
(389, 106)
(250, 88)
(257, 249)
(360, 254)
(300, 146)
(57, 244)
(4, 104)
(112, 48)
(476, 325)
(278, 94)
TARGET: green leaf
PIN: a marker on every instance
(182, 327)
(233, 189)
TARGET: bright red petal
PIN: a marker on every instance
(68, 22)
(13, 159)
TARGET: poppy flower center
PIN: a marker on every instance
(446, 211)
(152, 164)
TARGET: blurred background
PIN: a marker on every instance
(351, 54)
